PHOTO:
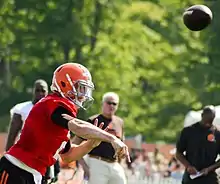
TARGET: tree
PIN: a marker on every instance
(139, 49)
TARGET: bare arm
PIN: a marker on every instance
(122, 137)
(87, 130)
(15, 127)
(85, 167)
(76, 152)
(181, 147)
(215, 166)
(123, 132)
(77, 140)
(83, 163)
(182, 159)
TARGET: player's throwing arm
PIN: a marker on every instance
(88, 131)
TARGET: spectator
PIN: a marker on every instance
(20, 112)
(197, 149)
(101, 166)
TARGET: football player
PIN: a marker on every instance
(19, 112)
(46, 131)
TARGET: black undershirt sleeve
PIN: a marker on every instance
(67, 148)
(57, 117)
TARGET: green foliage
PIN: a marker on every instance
(139, 49)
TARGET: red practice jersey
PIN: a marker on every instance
(41, 139)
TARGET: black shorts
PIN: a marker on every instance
(11, 174)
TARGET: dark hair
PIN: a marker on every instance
(208, 110)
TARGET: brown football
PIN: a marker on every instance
(197, 17)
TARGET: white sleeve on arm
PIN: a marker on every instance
(22, 109)
(15, 110)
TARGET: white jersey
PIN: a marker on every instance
(23, 109)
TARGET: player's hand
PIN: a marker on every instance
(121, 150)
(96, 142)
(191, 170)
(205, 171)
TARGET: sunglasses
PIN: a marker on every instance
(111, 103)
